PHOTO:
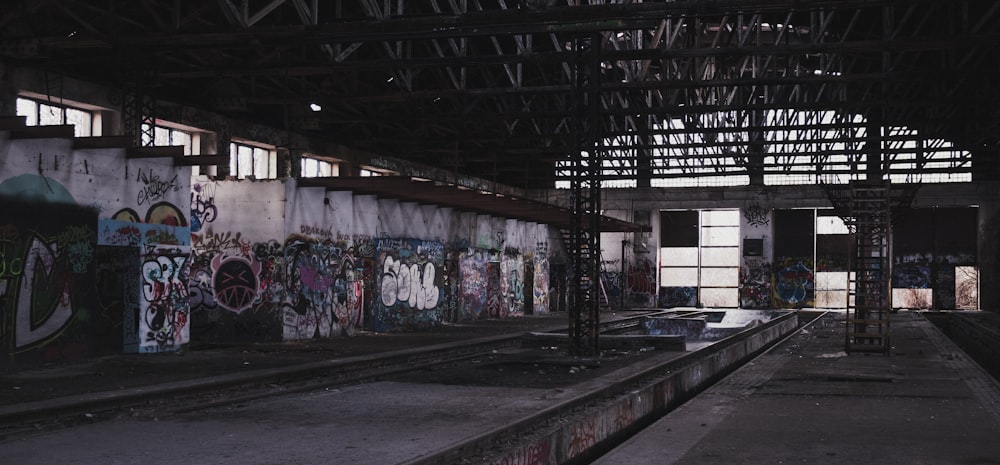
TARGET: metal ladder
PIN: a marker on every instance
(870, 299)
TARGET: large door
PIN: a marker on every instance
(699, 258)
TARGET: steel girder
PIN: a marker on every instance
(687, 88)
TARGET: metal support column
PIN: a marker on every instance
(138, 107)
(585, 191)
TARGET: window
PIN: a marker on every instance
(42, 113)
(251, 160)
(315, 168)
(163, 135)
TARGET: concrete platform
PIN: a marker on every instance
(806, 401)
(44, 388)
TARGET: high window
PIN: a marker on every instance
(86, 123)
(251, 160)
(316, 168)
(164, 135)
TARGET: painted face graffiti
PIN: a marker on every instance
(235, 282)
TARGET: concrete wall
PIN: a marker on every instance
(65, 293)
(623, 272)
(139, 255)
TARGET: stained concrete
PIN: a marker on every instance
(806, 401)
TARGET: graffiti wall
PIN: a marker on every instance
(755, 283)
(54, 308)
(323, 295)
(155, 308)
(933, 251)
(236, 277)
(912, 282)
(193, 259)
(679, 296)
(408, 284)
(541, 285)
(494, 291)
(163, 304)
(512, 285)
(794, 284)
(474, 284)
(48, 305)
(640, 283)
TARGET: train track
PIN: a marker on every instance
(214, 391)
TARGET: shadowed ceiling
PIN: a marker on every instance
(505, 90)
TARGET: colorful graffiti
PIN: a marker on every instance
(408, 284)
(323, 295)
(755, 283)
(912, 272)
(678, 297)
(203, 209)
(123, 233)
(641, 283)
(46, 282)
(794, 283)
(473, 294)
(512, 285)
(158, 213)
(239, 304)
(582, 436)
(540, 287)
(234, 281)
(494, 295)
(532, 454)
(164, 307)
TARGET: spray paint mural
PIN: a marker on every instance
(157, 307)
(794, 283)
(203, 209)
(541, 285)
(641, 283)
(512, 285)
(323, 297)
(235, 288)
(912, 272)
(494, 294)
(472, 276)
(678, 297)
(163, 308)
(755, 283)
(408, 284)
(47, 293)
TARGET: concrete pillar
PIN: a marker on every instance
(989, 254)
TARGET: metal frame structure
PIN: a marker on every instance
(735, 90)
(585, 192)
(585, 94)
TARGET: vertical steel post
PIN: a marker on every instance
(585, 191)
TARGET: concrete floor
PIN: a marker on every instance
(806, 401)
